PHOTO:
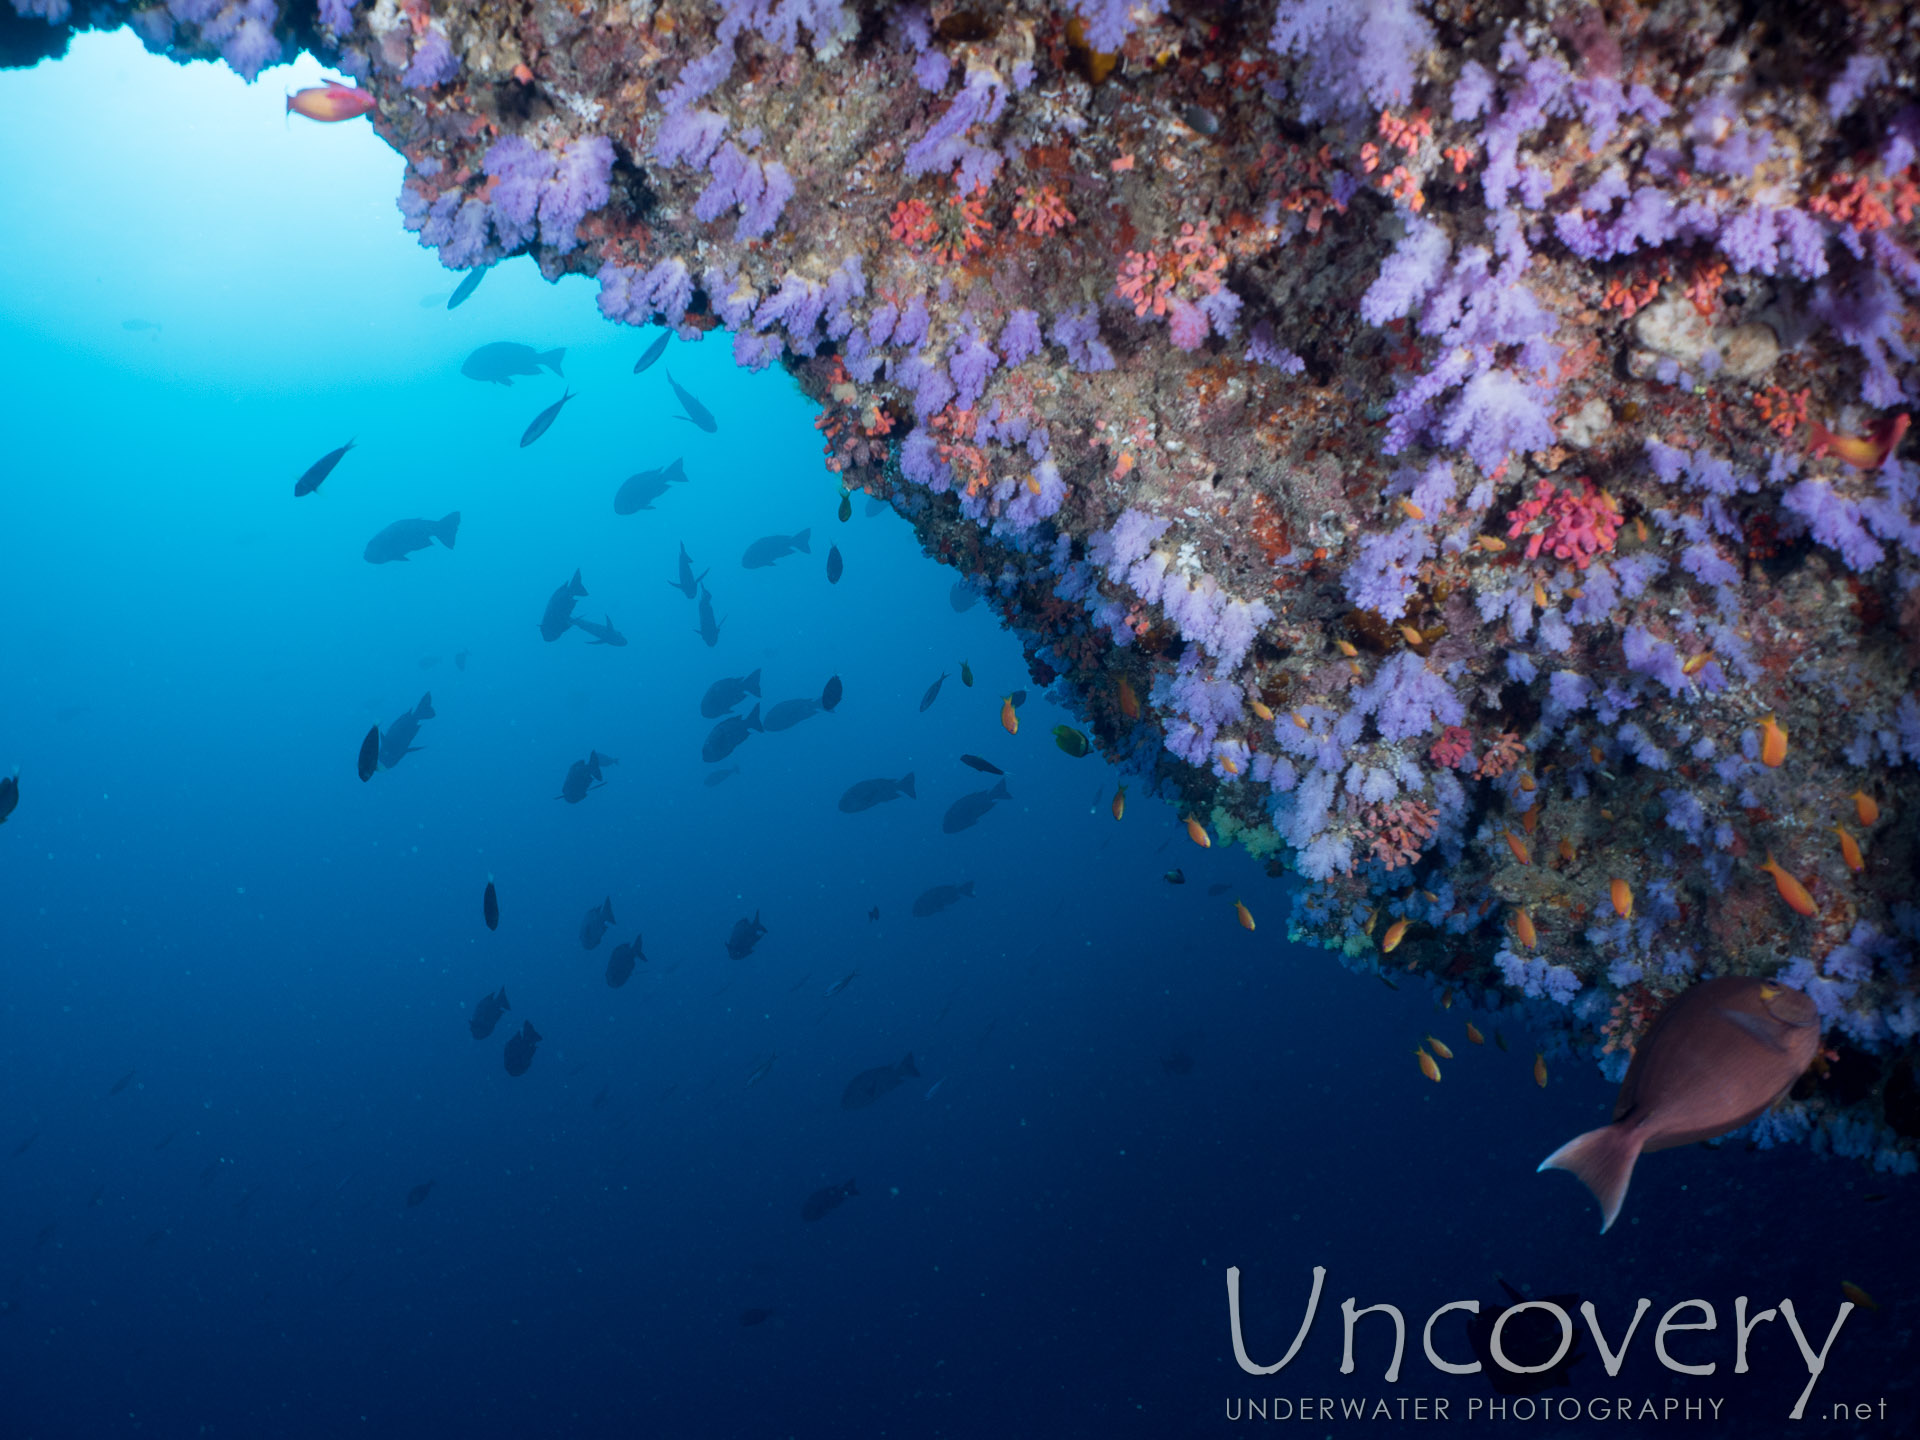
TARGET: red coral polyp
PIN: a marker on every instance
(1567, 524)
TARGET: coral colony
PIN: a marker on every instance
(1455, 451)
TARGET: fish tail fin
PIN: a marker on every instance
(801, 541)
(1000, 791)
(703, 575)
(906, 786)
(552, 360)
(907, 1067)
(424, 710)
(966, 888)
(753, 721)
(449, 527)
(752, 683)
(1602, 1160)
(575, 587)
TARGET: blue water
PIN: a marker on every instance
(198, 890)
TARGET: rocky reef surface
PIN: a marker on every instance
(1458, 451)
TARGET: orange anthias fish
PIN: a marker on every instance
(1867, 452)
(1473, 1034)
(1540, 1069)
(1621, 894)
(1119, 802)
(1260, 708)
(1197, 833)
(1715, 1058)
(1865, 807)
(1523, 928)
(1773, 743)
(331, 102)
(1246, 915)
(1129, 702)
(1850, 849)
(1519, 849)
(1858, 1296)
(1008, 719)
(1791, 890)
(1439, 1048)
(1427, 1067)
(1396, 932)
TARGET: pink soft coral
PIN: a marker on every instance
(1399, 831)
(1576, 524)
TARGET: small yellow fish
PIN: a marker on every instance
(1773, 743)
(1129, 702)
(1373, 917)
(1696, 663)
(1519, 848)
(1567, 851)
(1865, 808)
(1526, 782)
(1539, 595)
(1396, 932)
(1120, 802)
(1301, 721)
(1439, 1048)
(1791, 890)
(1353, 669)
(1530, 820)
(1228, 764)
(1346, 648)
(1858, 1296)
(1621, 893)
(1411, 635)
(1492, 544)
(1849, 849)
(1640, 530)
(1427, 1067)
(1261, 710)
(1594, 754)
(1197, 833)
(1473, 1034)
(1009, 720)
(1446, 1000)
(1411, 510)
(1246, 915)
(1523, 927)
(1540, 1069)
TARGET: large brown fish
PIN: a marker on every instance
(1716, 1057)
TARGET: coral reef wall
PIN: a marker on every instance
(1457, 450)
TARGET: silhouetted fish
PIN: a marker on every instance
(709, 630)
(716, 777)
(123, 1082)
(961, 597)
(688, 584)
(638, 491)
(653, 352)
(397, 743)
(868, 793)
(584, 775)
(418, 1194)
(769, 548)
(499, 362)
(727, 692)
(319, 470)
(26, 1144)
(869, 1085)
(490, 906)
(789, 713)
(755, 1315)
(1717, 1056)
(836, 567)
(933, 692)
(487, 1013)
(932, 902)
(621, 962)
(1528, 1340)
(983, 765)
(823, 1200)
(370, 754)
(746, 934)
(466, 287)
(727, 736)
(559, 617)
(403, 537)
(967, 811)
(594, 926)
(603, 634)
(519, 1051)
(696, 412)
(542, 422)
(831, 692)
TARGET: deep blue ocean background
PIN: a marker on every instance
(197, 891)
